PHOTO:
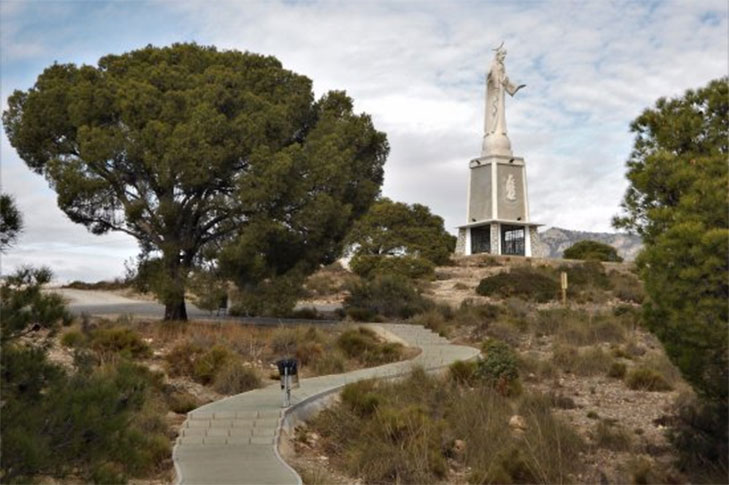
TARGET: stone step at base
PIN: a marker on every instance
(235, 432)
(232, 423)
(232, 415)
(224, 440)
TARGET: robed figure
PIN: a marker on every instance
(498, 83)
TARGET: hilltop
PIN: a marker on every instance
(590, 380)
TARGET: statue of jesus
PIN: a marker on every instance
(497, 82)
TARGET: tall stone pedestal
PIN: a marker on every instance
(498, 208)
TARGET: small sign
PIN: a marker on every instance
(563, 280)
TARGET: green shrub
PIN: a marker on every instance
(463, 372)
(520, 282)
(207, 367)
(181, 359)
(617, 370)
(499, 366)
(699, 435)
(331, 362)
(646, 379)
(592, 250)
(389, 296)
(369, 266)
(118, 341)
(362, 344)
(235, 378)
(181, 402)
(73, 339)
(274, 297)
(85, 424)
(361, 397)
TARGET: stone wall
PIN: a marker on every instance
(461, 242)
(539, 249)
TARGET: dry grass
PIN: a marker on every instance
(406, 432)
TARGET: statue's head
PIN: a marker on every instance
(500, 53)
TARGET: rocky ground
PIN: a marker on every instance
(637, 449)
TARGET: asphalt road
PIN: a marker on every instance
(108, 304)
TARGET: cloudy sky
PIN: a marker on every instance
(418, 68)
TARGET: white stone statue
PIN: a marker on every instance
(496, 142)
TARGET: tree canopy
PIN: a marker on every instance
(11, 222)
(190, 149)
(593, 250)
(392, 230)
(677, 201)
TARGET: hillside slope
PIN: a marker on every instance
(555, 240)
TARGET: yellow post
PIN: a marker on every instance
(563, 281)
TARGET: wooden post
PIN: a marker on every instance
(563, 282)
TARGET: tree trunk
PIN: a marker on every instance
(174, 294)
(175, 310)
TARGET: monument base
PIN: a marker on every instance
(498, 237)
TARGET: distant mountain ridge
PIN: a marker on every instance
(555, 240)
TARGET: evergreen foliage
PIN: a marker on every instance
(592, 250)
(86, 424)
(677, 201)
(389, 296)
(11, 222)
(523, 283)
(397, 238)
(190, 149)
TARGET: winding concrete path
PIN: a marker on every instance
(235, 440)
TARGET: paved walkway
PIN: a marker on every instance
(235, 440)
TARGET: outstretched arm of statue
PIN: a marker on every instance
(511, 88)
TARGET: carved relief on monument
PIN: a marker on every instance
(510, 188)
(510, 196)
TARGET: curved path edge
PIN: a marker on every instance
(236, 439)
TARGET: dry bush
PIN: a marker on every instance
(463, 372)
(284, 340)
(362, 344)
(235, 378)
(331, 362)
(579, 327)
(112, 341)
(433, 320)
(322, 284)
(532, 364)
(181, 402)
(207, 367)
(612, 436)
(504, 330)
(617, 370)
(659, 362)
(641, 470)
(403, 432)
(646, 379)
(470, 314)
(626, 287)
(584, 362)
(181, 359)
